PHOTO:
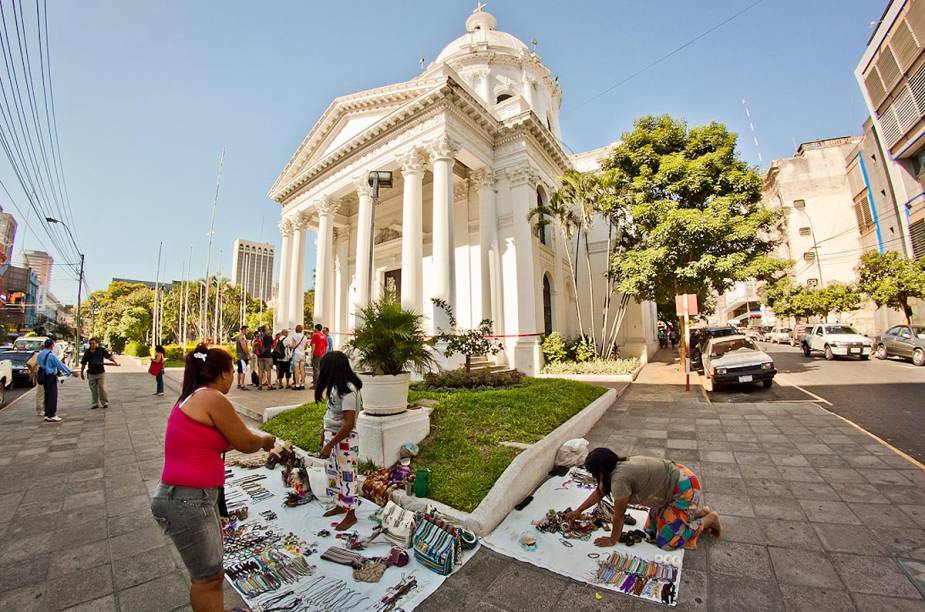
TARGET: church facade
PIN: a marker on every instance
(473, 145)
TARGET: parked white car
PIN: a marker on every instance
(736, 359)
(779, 335)
(6, 378)
(835, 340)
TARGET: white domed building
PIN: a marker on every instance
(473, 143)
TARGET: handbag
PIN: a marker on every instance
(156, 368)
(436, 545)
(40, 372)
(397, 524)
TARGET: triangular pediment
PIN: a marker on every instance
(345, 119)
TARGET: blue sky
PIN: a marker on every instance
(148, 93)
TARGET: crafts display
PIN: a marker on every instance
(379, 484)
(274, 569)
(646, 579)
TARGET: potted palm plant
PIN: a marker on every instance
(388, 343)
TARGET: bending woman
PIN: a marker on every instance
(670, 489)
(202, 425)
(339, 440)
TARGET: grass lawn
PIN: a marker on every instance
(463, 450)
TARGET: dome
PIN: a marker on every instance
(481, 33)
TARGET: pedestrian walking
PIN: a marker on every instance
(281, 359)
(49, 368)
(242, 352)
(94, 360)
(298, 342)
(202, 425)
(157, 368)
(673, 337)
(319, 344)
(263, 347)
(339, 439)
(327, 334)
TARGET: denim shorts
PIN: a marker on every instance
(190, 517)
(242, 365)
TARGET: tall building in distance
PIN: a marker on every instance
(7, 236)
(40, 262)
(252, 268)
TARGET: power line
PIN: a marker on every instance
(671, 53)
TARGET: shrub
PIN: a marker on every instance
(137, 349)
(554, 349)
(584, 349)
(595, 366)
(474, 379)
(390, 339)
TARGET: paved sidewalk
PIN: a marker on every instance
(816, 514)
(75, 529)
(253, 403)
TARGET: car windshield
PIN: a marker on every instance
(722, 331)
(839, 329)
(721, 348)
(919, 331)
(16, 356)
(29, 344)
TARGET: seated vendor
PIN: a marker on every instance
(671, 491)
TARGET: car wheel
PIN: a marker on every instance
(918, 357)
(2, 392)
(880, 353)
(806, 351)
(829, 355)
(865, 357)
(766, 383)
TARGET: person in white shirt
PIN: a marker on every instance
(298, 343)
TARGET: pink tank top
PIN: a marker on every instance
(192, 451)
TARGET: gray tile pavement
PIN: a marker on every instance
(75, 529)
(816, 514)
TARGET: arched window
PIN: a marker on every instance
(502, 97)
(547, 305)
(541, 227)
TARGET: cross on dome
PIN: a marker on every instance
(478, 7)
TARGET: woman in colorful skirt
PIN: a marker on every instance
(670, 490)
(339, 440)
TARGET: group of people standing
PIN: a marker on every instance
(288, 354)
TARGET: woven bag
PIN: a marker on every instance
(436, 546)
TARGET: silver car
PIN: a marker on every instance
(902, 341)
(736, 359)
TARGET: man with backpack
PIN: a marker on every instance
(49, 368)
(298, 343)
(263, 348)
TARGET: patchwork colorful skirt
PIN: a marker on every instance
(341, 470)
(676, 524)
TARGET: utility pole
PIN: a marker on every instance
(157, 288)
(204, 324)
(80, 284)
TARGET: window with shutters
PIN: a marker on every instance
(904, 45)
(917, 233)
(862, 212)
(916, 20)
(888, 68)
(805, 231)
(812, 283)
(809, 256)
(874, 86)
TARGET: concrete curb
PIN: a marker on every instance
(598, 378)
(272, 411)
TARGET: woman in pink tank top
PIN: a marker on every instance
(202, 425)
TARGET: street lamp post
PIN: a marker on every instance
(377, 179)
(80, 280)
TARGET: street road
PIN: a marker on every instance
(13, 394)
(883, 397)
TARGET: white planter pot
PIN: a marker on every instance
(384, 395)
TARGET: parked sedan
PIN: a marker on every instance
(18, 359)
(903, 341)
(736, 359)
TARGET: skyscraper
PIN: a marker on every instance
(7, 236)
(41, 262)
(252, 268)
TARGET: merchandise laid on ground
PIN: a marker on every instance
(538, 535)
(282, 554)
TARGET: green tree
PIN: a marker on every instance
(696, 207)
(838, 298)
(891, 280)
(309, 305)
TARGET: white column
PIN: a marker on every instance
(489, 258)
(324, 261)
(529, 96)
(364, 243)
(341, 284)
(297, 273)
(522, 316)
(485, 87)
(282, 296)
(412, 237)
(443, 284)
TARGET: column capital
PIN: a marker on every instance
(327, 205)
(481, 179)
(443, 148)
(298, 221)
(285, 227)
(413, 162)
(361, 184)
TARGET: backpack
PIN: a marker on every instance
(258, 344)
(40, 374)
(436, 545)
